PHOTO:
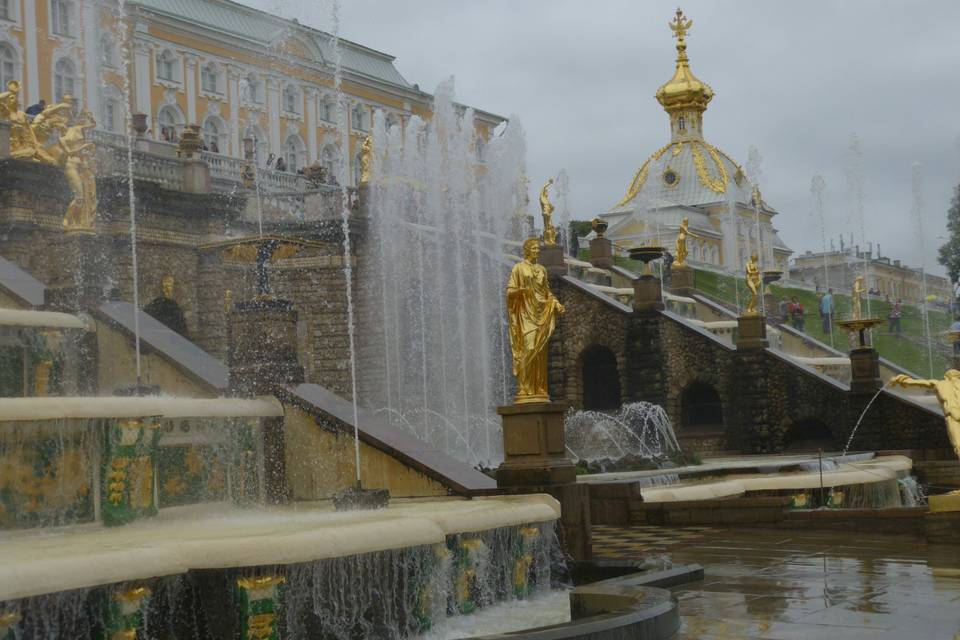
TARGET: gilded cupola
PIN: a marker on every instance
(684, 97)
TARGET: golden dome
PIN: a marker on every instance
(683, 91)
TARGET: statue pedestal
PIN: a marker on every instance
(865, 370)
(647, 294)
(196, 176)
(601, 253)
(551, 257)
(534, 446)
(681, 280)
(752, 332)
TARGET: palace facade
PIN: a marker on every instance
(257, 84)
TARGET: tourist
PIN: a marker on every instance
(784, 308)
(214, 147)
(281, 164)
(955, 329)
(36, 109)
(894, 318)
(796, 314)
(574, 245)
(826, 310)
(270, 160)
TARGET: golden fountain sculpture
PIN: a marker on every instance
(858, 323)
(366, 160)
(754, 282)
(532, 311)
(948, 393)
(546, 208)
(680, 259)
(72, 152)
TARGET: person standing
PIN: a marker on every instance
(826, 310)
(894, 318)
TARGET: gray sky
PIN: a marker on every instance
(792, 79)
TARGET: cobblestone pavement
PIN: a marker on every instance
(786, 585)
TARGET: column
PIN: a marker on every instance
(141, 67)
(190, 83)
(311, 101)
(233, 96)
(31, 64)
(91, 56)
(273, 114)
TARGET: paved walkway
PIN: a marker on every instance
(768, 584)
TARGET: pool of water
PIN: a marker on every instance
(551, 607)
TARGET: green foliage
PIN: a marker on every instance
(686, 458)
(580, 227)
(949, 253)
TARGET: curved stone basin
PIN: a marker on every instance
(212, 536)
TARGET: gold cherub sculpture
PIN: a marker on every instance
(754, 282)
(546, 208)
(532, 312)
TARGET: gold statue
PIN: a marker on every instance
(948, 393)
(366, 159)
(680, 259)
(532, 312)
(754, 282)
(76, 155)
(23, 141)
(855, 295)
(546, 208)
(53, 118)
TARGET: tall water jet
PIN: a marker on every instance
(916, 184)
(817, 187)
(440, 228)
(562, 186)
(855, 184)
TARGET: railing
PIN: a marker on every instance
(149, 167)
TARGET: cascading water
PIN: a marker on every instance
(638, 430)
(439, 219)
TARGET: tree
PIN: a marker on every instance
(580, 227)
(949, 254)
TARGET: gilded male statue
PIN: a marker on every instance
(948, 393)
(546, 208)
(856, 294)
(532, 311)
(366, 159)
(75, 155)
(680, 256)
(23, 141)
(754, 282)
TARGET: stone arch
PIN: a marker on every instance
(11, 58)
(807, 435)
(294, 152)
(600, 378)
(701, 408)
(66, 82)
(259, 138)
(214, 129)
(170, 122)
(329, 159)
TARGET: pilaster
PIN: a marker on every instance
(190, 82)
(273, 114)
(311, 109)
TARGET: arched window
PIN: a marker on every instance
(6, 12)
(701, 408)
(293, 152)
(210, 78)
(681, 124)
(167, 66)
(213, 134)
(601, 379)
(258, 142)
(109, 114)
(291, 99)
(61, 17)
(107, 51)
(64, 79)
(327, 112)
(8, 65)
(328, 160)
(171, 123)
(358, 117)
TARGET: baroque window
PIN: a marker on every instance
(64, 79)
(61, 17)
(290, 96)
(209, 78)
(5, 13)
(106, 51)
(8, 65)
(326, 109)
(166, 66)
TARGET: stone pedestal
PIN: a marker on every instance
(263, 350)
(551, 257)
(647, 295)
(865, 370)
(4, 139)
(196, 176)
(751, 332)
(601, 253)
(681, 280)
(534, 445)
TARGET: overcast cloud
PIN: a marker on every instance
(792, 79)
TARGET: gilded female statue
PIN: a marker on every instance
(532, 312)
(680, 257)
(366, 159)
(754, 282)
(855, 297)
(75, 155)
(546, 208)
(54, 117)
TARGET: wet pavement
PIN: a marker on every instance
(784, 585)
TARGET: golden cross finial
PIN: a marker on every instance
(680, 25)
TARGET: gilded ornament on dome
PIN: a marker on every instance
(717, 185)
(670, 178)
(641, 176)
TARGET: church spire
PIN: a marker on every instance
(684, 97)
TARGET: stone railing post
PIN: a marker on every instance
(601, 253)
(750, 429)
(196, 175)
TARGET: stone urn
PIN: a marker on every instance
(139, 124)
(190, 141)
(599, 226)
